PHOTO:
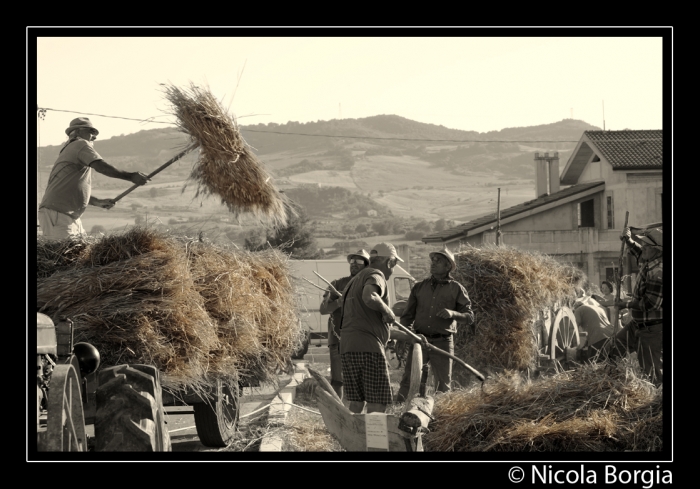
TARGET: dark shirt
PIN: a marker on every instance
(363, 328)
(334, 317)
(429, 297)
(648, 288)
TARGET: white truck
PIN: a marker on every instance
(400, 284)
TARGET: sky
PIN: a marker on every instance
(470, 83)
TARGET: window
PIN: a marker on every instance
(610, 274)
(611, 213)
(402, 288)
(586, 218)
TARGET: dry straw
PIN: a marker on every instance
(508, 288)
(226, 166)
(595, 408)
(195, 311)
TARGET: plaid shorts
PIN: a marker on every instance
(366, 377)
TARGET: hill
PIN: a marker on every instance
(381, 166)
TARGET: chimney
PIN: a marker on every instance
(554, 173)
(546, 174)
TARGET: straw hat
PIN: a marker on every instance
(447, 254)
(79, 123)
(361, 254)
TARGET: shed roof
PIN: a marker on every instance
(525, 207)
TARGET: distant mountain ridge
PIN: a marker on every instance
(148, 144)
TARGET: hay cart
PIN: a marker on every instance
(560, 341)
(125, 403)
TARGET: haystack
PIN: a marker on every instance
(508, 288)
(226, 166)
(596, 408)
(193, 310)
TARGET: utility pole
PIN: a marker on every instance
(498, 219)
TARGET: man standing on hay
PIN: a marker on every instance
(68, 192)
(365, 323)
(644, 333)
(331, 305)
(434, 307)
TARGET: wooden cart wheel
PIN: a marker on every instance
(65, 425)
(217, 420)
(564, 337)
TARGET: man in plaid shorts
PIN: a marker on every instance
(365, 323)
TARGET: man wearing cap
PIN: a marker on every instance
(365, 322)
(434, 308)
(68, 191)
(644, 333)
(331, 305)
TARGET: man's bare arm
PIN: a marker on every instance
(137, 178)
(370, 296)
(328, 306)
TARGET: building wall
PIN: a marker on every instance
(636, 191)
(558, 218)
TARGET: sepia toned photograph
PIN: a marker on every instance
(253, 242)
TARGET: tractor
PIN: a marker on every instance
(124, 403)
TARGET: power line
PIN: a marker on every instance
(409, 139)
(150, 119)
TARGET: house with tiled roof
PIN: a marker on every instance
(577, 215)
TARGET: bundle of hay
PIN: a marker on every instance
(599, 407)
(195, 311)
(508, 288)
(226, 167)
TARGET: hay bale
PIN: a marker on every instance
(226, 166)
(597, 408)
(508, 287)
(193, 310)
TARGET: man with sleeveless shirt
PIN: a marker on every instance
(331, 305)
(69, 189)
(365, 322)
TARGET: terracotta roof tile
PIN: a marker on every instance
(630, 149)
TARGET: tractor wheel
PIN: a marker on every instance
(65, 423)
(130, 415)
(217, 420)
(564, 338)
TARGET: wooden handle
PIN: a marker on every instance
(441, 352)
(156, 171)
(616, 322)
(333, 289)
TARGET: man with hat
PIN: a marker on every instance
(365, 321)
(331, 305)
(644, 333)
(68, 191)
(435, 306)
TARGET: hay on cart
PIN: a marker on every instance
(193, 310)
(508, 288)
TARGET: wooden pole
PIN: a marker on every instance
(618, 279)
(439, 351)
(498, 219)
(154, 172)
